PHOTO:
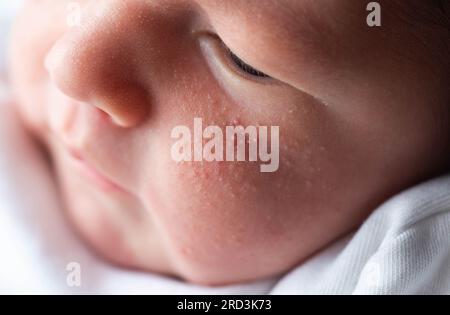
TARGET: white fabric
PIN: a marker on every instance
(403, 248)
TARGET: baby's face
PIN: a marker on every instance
(356, 109)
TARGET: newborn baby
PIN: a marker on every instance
(362, 114)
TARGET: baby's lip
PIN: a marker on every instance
(94, 174)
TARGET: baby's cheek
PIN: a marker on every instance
(218, 199)
(229, 219)
(220, 218)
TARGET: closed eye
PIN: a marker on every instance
(221, 57)
(245, 67)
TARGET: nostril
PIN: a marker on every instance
(127, 106)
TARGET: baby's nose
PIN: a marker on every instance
(96, 63)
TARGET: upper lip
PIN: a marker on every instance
(76, 154)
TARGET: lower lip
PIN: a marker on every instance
(94, 175)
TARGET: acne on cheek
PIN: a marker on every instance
(225, 237)
(221, 172)
(215, 191)
(206, 180)
(208, 187)
(199, 198)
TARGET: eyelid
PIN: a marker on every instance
(244, 66)
(216, 51)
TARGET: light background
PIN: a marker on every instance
(8, 10)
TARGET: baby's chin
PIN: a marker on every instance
(111, 234)
(205, 231)
(211, 225)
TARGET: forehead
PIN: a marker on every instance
(271, 17)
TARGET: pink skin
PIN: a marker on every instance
(357, 119)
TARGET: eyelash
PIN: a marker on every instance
(244, 66)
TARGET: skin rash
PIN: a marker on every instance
(357, 122)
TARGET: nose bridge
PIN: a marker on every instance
(95, 62)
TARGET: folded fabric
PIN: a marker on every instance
(402, 248)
